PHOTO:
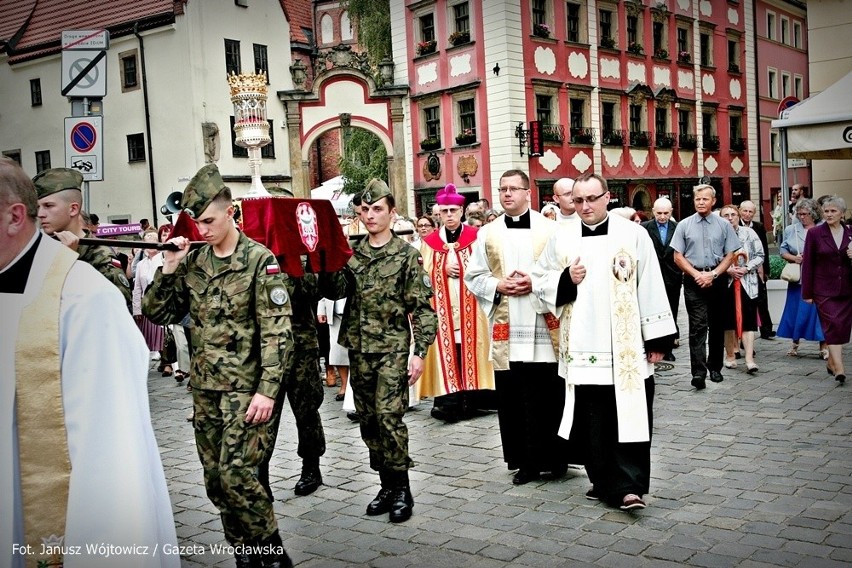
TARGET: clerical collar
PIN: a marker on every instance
(595, 230)
(560, 215)
(520, 222)
(13, 278)
(453, 236)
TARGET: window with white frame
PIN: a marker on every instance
(771, 32)
(540, 12)
(798, 86)
(610, 115)
(708, 124)
(461, 17)
(684, 41)
(774, 147)
(684, 121)
(660, 36)
(797, 35)
(706, 46)
(772, 83)
(129, 71)
(427, 27)
(466, 116)
(575, 14)
(785, 30)
(544, 108)
(579, 122)
(432, 121)
(733, 54)
(607, 28)
(785, 85)
(634, 30)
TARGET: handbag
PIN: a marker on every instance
(792, 272)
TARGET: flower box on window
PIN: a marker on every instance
(607, 42)
(466, 137)
(684, 57)
(458, 38)
(661, 54)
(430, 143)
(426, 47)
(636, 48)
(541, 30)
(733, 68)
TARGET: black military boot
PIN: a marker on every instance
(310, 479)
(402, 502)
(272, 553)
(246, 560)
(382, 503)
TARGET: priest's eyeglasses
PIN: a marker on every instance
(590, 199)
(510, 189)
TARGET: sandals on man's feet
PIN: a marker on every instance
(794, 350)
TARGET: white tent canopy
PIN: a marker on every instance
(332, 190)
(820, 127)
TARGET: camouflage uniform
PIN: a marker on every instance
(241, 340)
(101, 258)
(384, 286)
(301, 380)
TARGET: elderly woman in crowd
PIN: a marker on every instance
(743, 270)
(490, 215)
(550, 210)
(827, 280)
(800, 320)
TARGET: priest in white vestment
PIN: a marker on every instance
(562, 195)
(601, 277)
(81, 481)
(457, 371)
(529, 392)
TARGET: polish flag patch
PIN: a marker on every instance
(272, 269)
(115, 262)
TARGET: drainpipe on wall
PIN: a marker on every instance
(154, 208)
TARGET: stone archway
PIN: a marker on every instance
(345, 95)
(641, 198)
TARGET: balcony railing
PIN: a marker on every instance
(613, 138)
(582, 135)
(664, 140)
(554, 133)
(737, 144)
(711, 143)
(687, 142)
(640, 138)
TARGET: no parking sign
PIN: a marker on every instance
(84, 146)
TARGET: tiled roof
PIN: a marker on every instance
(39, 23)
(300, 15)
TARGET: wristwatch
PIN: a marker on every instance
(420, 353)
(715, 274)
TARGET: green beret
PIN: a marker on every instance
(375, 190)
(201, 190)
(54, 180)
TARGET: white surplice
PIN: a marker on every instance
(620, 304)
(529, 338)
(117, 492)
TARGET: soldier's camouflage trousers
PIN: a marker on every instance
(230, 451)
(380, 385)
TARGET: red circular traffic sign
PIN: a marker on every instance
(83, 137)
(786, 103)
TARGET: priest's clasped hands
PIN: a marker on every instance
(516, 284)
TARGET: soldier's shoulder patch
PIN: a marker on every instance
(272, 269)
(123, 279)
(427, 281)
(278, 295)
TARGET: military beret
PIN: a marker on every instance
(375, 190)
(55, 180)
(201, 190)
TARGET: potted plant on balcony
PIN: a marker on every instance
(541, 30)
(426, 47)
(636, 48)
(613, 138)
(465, 137)
(684, 57)
(458, 38)
(733, 68)
(661, 53)
(430, 143)
(607, 42)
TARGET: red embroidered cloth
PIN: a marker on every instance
(290, 228)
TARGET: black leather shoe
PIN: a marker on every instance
(524, 476)
(841, 378)
(449, 417)
(309, 482)
(402, 504)
(353, 416)
(669, 356)
(382, 503)
(245, 561)
(716, 376)
(557, 472)
(698, 383)
(273, 554)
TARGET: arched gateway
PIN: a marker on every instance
(342, 95)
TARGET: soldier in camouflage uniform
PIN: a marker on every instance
(385, 285)
(60, 214)
(240, 309)
(302, 385)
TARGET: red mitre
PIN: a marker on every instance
(449, 196)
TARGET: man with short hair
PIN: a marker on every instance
(704, 246)
(562, 196)
(457, 370)
(60, 208)
(661, 229)
(747, 212)
(601, 278)
(436, 214)
(242, 340)
(387, 305)
(530, 394)
(79, 464)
